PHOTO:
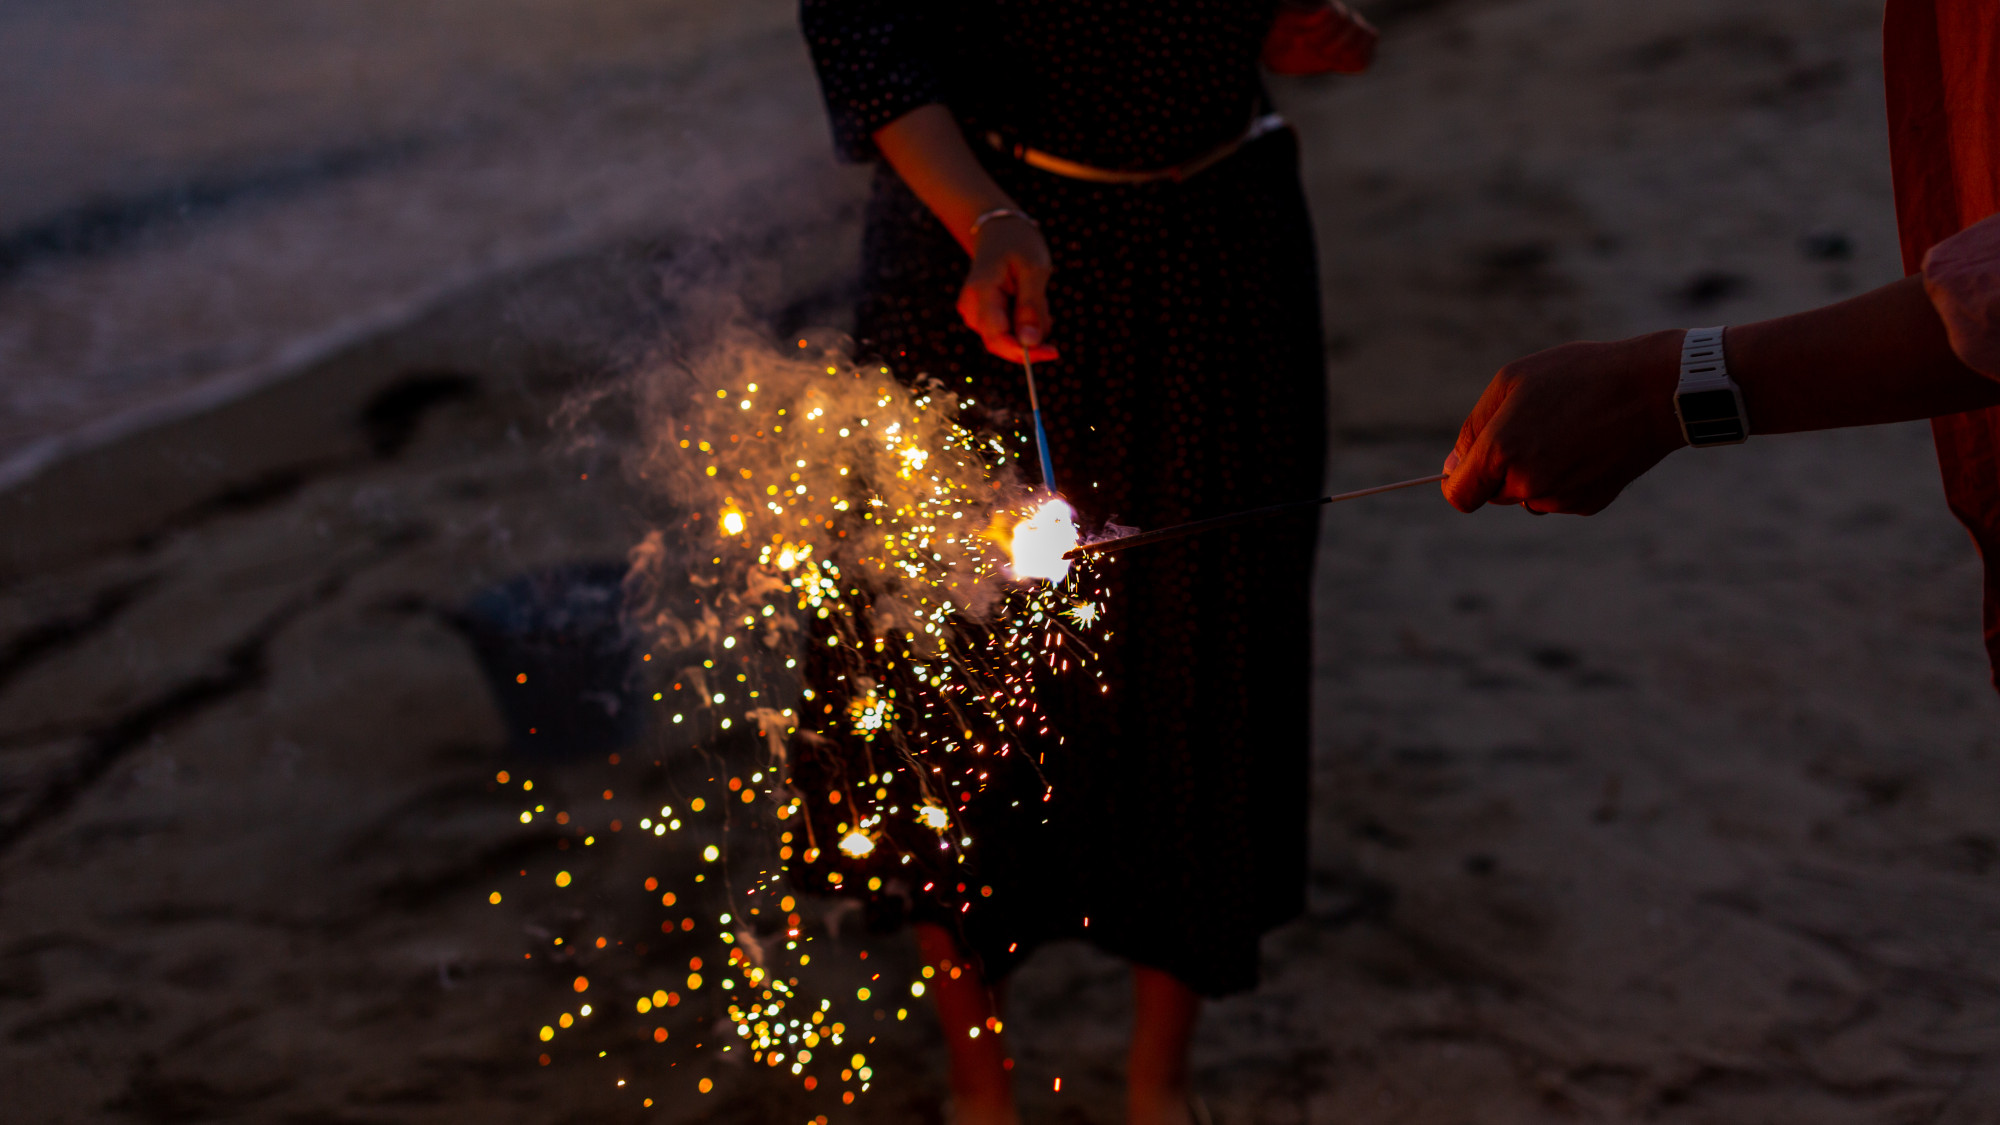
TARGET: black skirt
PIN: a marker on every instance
(1191, 384)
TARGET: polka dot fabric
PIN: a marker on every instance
(1190, 384)
(875, 64)
(1116, 85)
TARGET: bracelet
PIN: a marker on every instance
(1002, 212)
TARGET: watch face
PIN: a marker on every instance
(1712, 417)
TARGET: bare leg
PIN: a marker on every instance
(982, 1092)
(1156, 1074)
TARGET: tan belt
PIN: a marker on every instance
(1049, 162)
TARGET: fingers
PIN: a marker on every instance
(1003, 343)
(1007, 348)
(1566, 429)
(1480, 478)
(1007, 305)
(1477, 473)
(986, 306)
(1031, 307)
(983, 305)
(1355, 39)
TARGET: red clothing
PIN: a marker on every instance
(1942, 59)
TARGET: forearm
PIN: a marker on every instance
(1880, 357)
(928, 150)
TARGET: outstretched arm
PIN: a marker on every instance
(1567, 429)
(1005, 298)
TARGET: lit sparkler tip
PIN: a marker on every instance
(856, 844)
(1042, 539)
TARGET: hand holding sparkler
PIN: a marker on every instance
(1005, 296)
(1565, 430)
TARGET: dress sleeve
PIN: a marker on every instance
(1962, 276)
(873, 64)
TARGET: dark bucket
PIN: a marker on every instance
(558, 654)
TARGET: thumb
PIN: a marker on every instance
(1477, 478)
(1474, 475)
(1031, 306)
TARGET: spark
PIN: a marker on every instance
(864, 570)
(1039, 542)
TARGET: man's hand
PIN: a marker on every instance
(1005, 298)
(1567, 429)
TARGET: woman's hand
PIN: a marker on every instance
(1319, 37)
(1005, 298)
(1567, 429)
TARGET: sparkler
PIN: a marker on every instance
(868, 608)
(1040, 543)
(1198, 527)
(1041, 436)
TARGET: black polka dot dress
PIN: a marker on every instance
(1190, 384)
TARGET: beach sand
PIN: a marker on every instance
(1681, 813)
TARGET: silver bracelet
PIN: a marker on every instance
(1001, 212)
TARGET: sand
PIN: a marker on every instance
(1681, 813)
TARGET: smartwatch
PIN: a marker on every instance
(1709, 402)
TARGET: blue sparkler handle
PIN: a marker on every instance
(1041, 435)
(1048, 462)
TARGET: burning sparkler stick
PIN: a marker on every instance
(1197, 527)
(1041, 437)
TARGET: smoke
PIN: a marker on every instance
(804, 478)
(837, 634)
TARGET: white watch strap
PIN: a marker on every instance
(1708, 402)
(1702, 365)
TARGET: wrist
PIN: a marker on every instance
(1707, 402)
(1005, 212)
(962, 215)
